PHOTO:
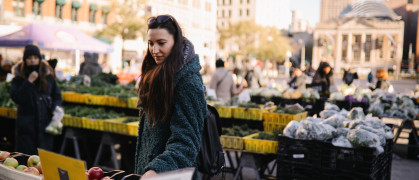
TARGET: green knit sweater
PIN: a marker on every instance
(175, 144)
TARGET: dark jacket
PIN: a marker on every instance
(90, 67)
(33, 113)
(382, 84)
(321, 81)
(175, 144)
(348, 77)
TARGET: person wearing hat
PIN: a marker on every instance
(90, 66)
(222, 82)
(36, 93)
(6, 65)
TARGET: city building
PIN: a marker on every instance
(367, 34)
(408, 10)
(198, 19)
(298, 24)
(88, 15)
(332, 8)
(263, 12)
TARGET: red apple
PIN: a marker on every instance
(4, 155)
(33, 161)
(32, 170)
(95, 173)
(11, 162)
(39, 167)
(21, 167)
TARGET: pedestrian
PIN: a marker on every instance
(6, 66)
(370, 77)
(382, 81)
(323, 78)
(87, 56)
(349, 76)
(171, 101)
(36, 93)
(222, 82)
(298, 80)
(91, 66)
(254, 74)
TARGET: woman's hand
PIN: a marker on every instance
(33, 76)
(149, 173)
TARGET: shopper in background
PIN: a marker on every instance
(349, 76)
(370, 78)
(171, 100)
(382, 81)
(222, 82)
(90, 66)
(6, 66)
(323, 78)
(36, 93)
(254, 74)
(298, 80)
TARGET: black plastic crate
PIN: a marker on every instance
(258, 99)
(305, 159)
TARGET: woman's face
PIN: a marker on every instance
(32, 60)
(326, 70)
(160, 44)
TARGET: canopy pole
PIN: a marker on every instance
(77, 57)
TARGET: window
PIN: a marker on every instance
(105, 12)
(231, 2)
(59, 9)
(367, 48)
(208, 6)
(229, 13)
(74, 14)
(379, 46)
(344, 47)
(224, 2)
(356, 47)
(248, 1)
(37, 8)
(241, 1)
(223, 14)
(196, 4)
(248, 12)
(184, 2)
(92, 13)
(19, 7)
(241, 12)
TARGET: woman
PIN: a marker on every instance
(323, 78)
(36, 93)
(382, 81)
(298, 80)
(171, 100)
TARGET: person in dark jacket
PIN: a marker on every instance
(171, 100)
(90, 66)
(298, 80)
(36, 93)
(323, 78)
(349, 76)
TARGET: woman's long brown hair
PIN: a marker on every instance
(156, 88)
(44, 70)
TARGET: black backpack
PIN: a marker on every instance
(211, 156)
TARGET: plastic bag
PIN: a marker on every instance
(55, 127)
(376, 109)
(344, 112)
(379, 132)
(342, 132)
(341, 141)
(291, 129)
(315, 120)
(314, 131)
(363, 138)
(327, 113)
(356, 123)
(356, 113)
(335, 121)
(330, 106)
(301, 133)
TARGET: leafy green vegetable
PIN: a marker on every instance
(239, 131)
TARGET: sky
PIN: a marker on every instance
(309, 10)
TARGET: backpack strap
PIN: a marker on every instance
(219, 82)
